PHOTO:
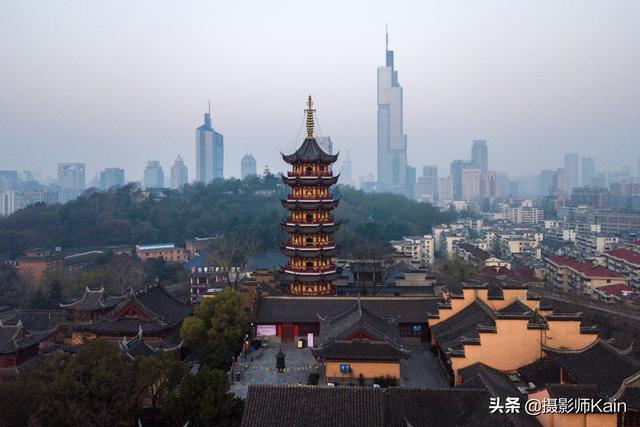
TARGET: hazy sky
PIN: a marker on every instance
(117, 83)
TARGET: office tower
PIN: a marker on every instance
(457, 166)
(572, 171)
(428, 183)
(489, 184)
(445, 189)
(470, 183)
(345, 171)
(179, 174)
(248, 166)
(588, 171)
(209, 152)
(559, 181)
(392, 142)
(480, 155)
(545, 182)
(111, 177)
(325, 143)
(153, 175)
(410, 191)
(71, 176)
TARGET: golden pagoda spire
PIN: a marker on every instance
(309, 112)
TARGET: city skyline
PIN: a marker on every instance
(583, 102)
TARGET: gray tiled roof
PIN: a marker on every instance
(307, 309)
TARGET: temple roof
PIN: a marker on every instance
(94, 300)
(155, 308)
(309, 151)
(35, 320)
(139, 347)
(15, 337)
(497, 384)
(600, 363)
(308, 309)
(270, 406)
(451, 332)
(341, 336)
(541, 372)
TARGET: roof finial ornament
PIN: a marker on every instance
(310, 112)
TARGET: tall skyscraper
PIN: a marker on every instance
(153, 175)
(445, 189)
(325, 143)
(559, 181)
(588, 171)
(71, 176)
(111, 177)
(572, 171)
(457, 166)
(179, 174)
(8, 180)
(428, 183)
(545, 182)
(392, 142)
(248, 166)
(209, 152)
(480, 155)
(471, 183)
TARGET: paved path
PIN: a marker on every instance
(422, 369)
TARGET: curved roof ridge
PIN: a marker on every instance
(569, 351)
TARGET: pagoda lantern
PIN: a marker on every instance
(310, 224)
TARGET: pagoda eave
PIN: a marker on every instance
(289, 277)
(327, 252)
(310, 228)
(310, 205)
(310, 180)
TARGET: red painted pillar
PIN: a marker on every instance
(296, 330)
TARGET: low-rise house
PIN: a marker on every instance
(167, 251)
(612, 293)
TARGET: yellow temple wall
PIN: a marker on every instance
(367, 369)
(514, 345)
(566, 334)
(572, 420)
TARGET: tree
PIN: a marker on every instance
(204, 400)
(123, 273)
(55, 294)
(231, 255)
(216, 329)
(95, 388)
(160, 374)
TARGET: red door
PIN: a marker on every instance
(287, 332)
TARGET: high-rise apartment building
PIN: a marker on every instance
(445, 189)
(179, 174)
(588, 171)
(111, 177)
(209, 152)
(427, 184)
(153, 175)
(248, 166)
(392, 142)
(572, 171)
(545, 182)
(480, 155)
(559, 181)
(71, 176)
(457, 166)
(471, 183)
(9, 180)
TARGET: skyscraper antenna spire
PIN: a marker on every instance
(209, 107)
(386, 36)
(309, 112)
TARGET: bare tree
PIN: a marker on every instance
(230, 255)
(124, 272)
(374, 257)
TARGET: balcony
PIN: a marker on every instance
(310, 246)
(308, 175)
(309, 270)
(303, 222)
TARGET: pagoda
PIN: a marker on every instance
(310, 225)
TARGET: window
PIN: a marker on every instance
(345, 368)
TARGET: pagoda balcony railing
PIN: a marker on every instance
(328, 198)
(309, 175)
(309, 270)
(304, 222)
(311, 246)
